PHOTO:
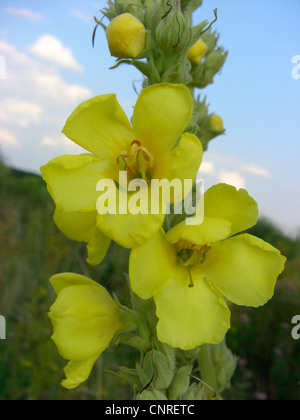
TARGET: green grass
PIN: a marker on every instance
(32, 250)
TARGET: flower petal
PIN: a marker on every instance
(85, 320)
(130, 230)
(210, 230)
(138, 224)
(224, 201)
(244, 269)
(100, 126)
(97, 247)
(78, 372)
(76, 226)
(160, 116)
(184, 161)
(182, 164)
(72, 181)
(151, 266)
(63, 280)
(190, 316)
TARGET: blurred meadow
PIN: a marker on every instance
(32, 250)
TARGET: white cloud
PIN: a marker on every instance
(52, 50)
(8, 139)
(61, 142)
(28, 80)
(232, 178)
(81, 16)
(207, 168)
(51, 85)
(35, 102)
(19, 112)
(24, 13)
(255, 170)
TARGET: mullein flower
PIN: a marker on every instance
(190, 270)
(197, 52)
(146, 150)
(126, 36)
(85, 319)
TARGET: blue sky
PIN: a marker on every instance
(255, 94)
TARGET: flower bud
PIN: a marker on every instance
(225, 365)
(197, 52)
(216, 123)
(180, 383)
(191, 4)
(157, 364)
(126, 36)
(204, 74)
(173, 32)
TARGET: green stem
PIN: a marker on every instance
(206, 366)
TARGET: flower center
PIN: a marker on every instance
(138, 162)
(190, 255)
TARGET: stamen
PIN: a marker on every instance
(141, 163)
(191, 278)
(136, 143)
(138, 161)
(122, 162)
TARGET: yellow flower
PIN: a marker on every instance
(197, 52)
(126, 36)
(145, 150)
(85, 320)
(191, 269)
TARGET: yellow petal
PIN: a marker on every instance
(76, 226)
(100, 126)
(211, 230)
(151, 266)
(129, 230)
(160, 116)
(224, 201)
(179, 164)
(85, 320)
(63, 280)
(72, 181)
(244, 269)
(97, 247)
(78, 372)
(190, 316)
(133, 228)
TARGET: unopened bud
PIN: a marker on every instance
(197, 52)
(173, 32)
(180, 383)
(126, 36)
(216, 123)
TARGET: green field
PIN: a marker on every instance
(32, 250)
